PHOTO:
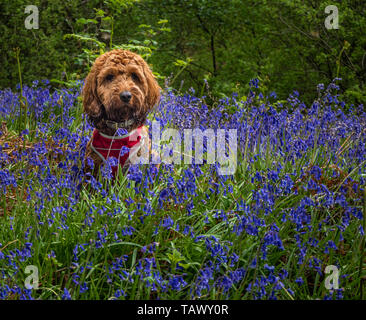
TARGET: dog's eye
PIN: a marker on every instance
(135, 77)
(109, 77)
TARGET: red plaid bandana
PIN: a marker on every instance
(115, 146)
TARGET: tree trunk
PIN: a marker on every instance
(214, 67)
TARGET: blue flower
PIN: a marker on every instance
(66, 295)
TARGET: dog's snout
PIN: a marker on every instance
(125, 96)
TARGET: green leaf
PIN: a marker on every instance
(99, 13)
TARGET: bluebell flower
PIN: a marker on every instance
(66, 295)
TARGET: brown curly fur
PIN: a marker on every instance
(112, 73)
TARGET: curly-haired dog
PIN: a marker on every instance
(119, 92)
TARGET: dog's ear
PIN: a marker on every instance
(91, 102)
(153, 94)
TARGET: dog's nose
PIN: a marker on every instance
(125, 96)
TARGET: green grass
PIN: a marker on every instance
(69, 229)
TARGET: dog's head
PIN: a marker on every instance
(120, 86)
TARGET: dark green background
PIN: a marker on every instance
(284, 42)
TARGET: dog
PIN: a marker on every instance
(119, 92)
